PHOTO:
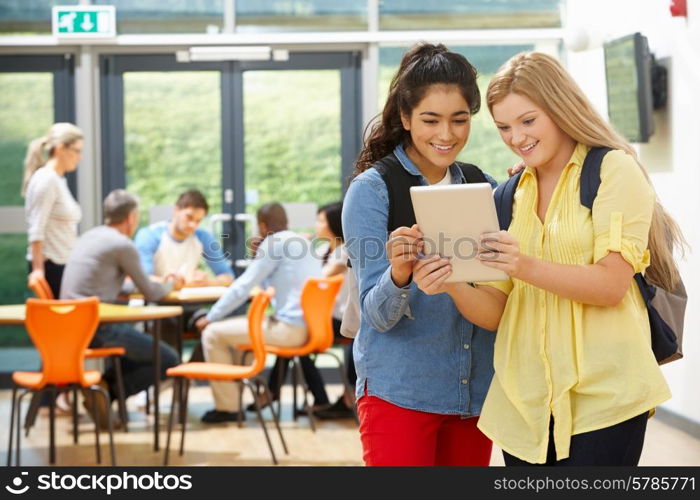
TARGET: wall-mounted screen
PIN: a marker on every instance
(628, 73)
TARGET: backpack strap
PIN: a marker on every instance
(590, 182)
(503, 198)
(590, 175)
(398, 184)
(472, 173)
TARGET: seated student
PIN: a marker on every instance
(334, 260)
(176, 246)
(283, 260)
(98, 266)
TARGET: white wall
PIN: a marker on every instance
(672, 155)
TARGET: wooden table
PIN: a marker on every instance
(114, 313)
(109, 313)
(189, 298)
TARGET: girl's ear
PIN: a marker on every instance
(406, 122)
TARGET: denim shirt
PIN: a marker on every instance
(414, 350)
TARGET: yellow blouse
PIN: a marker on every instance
(589, 367)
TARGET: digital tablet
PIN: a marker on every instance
(451, 218)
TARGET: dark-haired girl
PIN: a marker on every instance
(423, 370)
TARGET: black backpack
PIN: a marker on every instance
(398, 184)
(666, 308)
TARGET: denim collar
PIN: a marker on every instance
(455, 172)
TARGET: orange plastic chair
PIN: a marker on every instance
(61, 331)
(185, 372)
(42, 290)
(317, 302)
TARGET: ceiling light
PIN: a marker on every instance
(232, 53)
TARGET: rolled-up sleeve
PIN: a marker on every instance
(622, 211)
(365, 216)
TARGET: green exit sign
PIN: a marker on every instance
(84, 21)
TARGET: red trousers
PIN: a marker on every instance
(392, 435)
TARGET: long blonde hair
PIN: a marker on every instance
(41, 147)
(543, 80)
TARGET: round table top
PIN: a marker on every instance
(190, 295)
(109, 313)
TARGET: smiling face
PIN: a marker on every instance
(531, 134)
(439, 127)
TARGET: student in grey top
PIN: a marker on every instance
(101, 260)
(51, 212)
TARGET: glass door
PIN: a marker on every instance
(35, 91)
(244, 133)
(162, 131)
(302, 128)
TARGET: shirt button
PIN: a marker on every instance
(466, 346)
(465, 381)
(404, 295)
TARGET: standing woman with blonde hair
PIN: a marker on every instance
(51, 211)
(575, 377)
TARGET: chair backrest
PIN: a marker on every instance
(41, 288)
(256, 315)
(61, 331)
(317, 302)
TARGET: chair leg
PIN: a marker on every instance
(281, 373)
(240, 406)
(75, 414)
(183, 408)
(247, 383)
(171, 417)
(305, 389)
(30, 417)
(148, 402)
(12, 425)
(259, 381)
(121, 398)
(18, 434)
(110, 424)
(52, 425)
(293, 361)
(97, 425)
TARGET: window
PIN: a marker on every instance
(468, 14)
(300, 15)
(173, 16)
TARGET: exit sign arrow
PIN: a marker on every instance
(84, 21)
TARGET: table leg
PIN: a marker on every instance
(180, 347)
(156, 384)
(179, 343)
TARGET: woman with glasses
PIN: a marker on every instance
(51, 211)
